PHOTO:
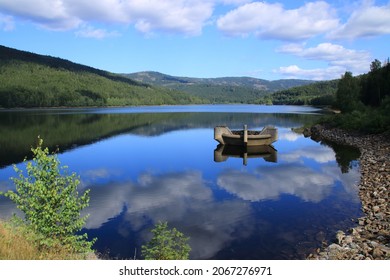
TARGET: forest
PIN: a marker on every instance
(315, 94)
(30, 80)
(219, 90)
(364, 100)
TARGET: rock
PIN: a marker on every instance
(307, 132)
(374, 192)
(377, 253)
(334, 247)
(348, 240)
(340, 236)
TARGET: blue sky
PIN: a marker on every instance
(271, 40)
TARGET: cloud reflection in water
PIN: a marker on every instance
(183, 200)
(269, 183)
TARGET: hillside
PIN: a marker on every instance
(218, 90)
(32, 80)
(318, 93)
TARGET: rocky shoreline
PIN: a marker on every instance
(370, 239)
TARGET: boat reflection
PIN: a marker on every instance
(223, 152)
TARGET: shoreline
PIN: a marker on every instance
(370, 238)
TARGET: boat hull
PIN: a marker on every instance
(245, 137)
(253, 140)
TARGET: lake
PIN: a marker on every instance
(161, 163)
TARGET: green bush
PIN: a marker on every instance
(166, 244)
(51, 204)
(367, 120)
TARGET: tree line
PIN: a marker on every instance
(371, 89)
(318, 93)
(365, 100)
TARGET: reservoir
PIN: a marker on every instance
(157, 163)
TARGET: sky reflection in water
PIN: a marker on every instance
(264, 210)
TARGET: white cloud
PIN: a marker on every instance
(320, 154)
(6, 23)
(271, 182)
(326, 51)
(97, 33)
(273, 21)
(289, 136)
(182, 16)
(50, 14)
(319, 74)
(367, 21)
(338, 58)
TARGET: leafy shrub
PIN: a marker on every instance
(51, 204)
(166, 244)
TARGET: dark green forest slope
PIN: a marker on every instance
(31, 80)
(318, 93)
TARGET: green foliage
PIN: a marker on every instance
(219, 90)
(31, 80)
(347, 95)
(319, 93)
(166, 244)
(364, 100)
(219, 94)
(375, 86)
(366, 119)
(51, 204)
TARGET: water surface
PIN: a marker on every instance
(150, 164)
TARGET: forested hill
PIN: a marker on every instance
(161, 79)
(318, 93)
(32, 80)
(219, 90)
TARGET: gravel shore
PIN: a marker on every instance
(370, 239)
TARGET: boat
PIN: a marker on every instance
(223, 152)
(245, 137)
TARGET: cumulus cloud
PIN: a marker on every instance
(335, 55)
(182, 16)
(273, 21)
(6, 23)
(295, 72)
(367, 21)
(339, 59)
(96, 33)
(50, 14)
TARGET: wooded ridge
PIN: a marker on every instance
(32, 80)
(219, 90)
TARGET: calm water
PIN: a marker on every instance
(150, 164)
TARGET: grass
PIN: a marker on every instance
(17, 243)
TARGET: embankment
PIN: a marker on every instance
(370, 239)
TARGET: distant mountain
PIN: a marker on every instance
(218, 90)
(156, 78)
(32, 80)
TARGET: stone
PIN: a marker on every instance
(348, 240)
(374, 192)
(340, 236)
